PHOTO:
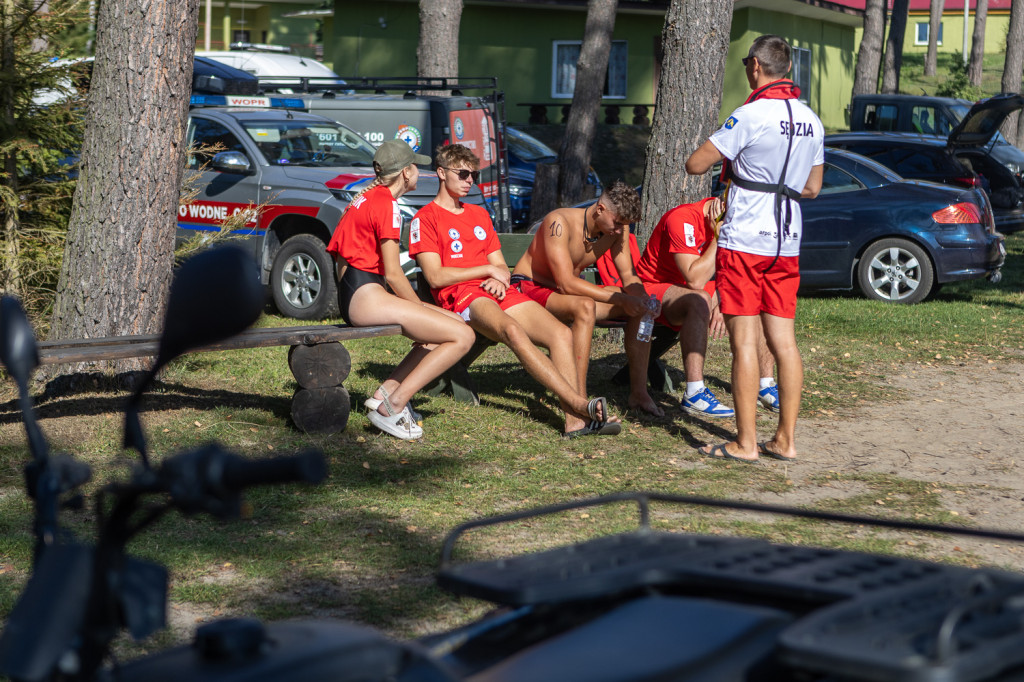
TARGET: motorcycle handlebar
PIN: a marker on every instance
(211, 479)
(307, 467)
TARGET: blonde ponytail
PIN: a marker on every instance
(378, 180)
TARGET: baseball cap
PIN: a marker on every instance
(394, 155)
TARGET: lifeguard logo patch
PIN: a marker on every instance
(730, 122)
(688, 232)
(414, 231)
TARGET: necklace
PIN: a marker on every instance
(586, 229)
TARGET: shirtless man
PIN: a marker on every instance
(571, 239)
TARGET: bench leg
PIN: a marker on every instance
(321, 404)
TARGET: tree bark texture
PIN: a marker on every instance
(894, 46)
(437, 55)
(591, 69)
(10, 273)
(695, 40)
(934, 22)
(869, 56)
(120, 243)
(1013, 66)
(974, 67)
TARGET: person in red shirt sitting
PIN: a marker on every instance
(365, 246)
(456, 247)
(678, 267)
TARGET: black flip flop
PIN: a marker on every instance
(762, 450)
(723, 454)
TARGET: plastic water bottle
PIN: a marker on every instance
(643, 334)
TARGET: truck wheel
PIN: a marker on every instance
(302, 279)
(896, 271)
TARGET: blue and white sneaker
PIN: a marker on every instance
(704, 403)
(769, 397)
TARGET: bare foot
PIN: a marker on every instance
(647, 404)
(722, 451)
(770, 448)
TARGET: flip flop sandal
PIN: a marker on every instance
(719, 452)
(592, 409)
(595, 428)
(762, 449)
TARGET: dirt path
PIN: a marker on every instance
(959, 429)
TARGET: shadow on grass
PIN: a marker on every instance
(83, 400)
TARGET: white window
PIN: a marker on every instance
(921, 33)
(802, 71)
(563, 69)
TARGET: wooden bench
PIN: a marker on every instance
(317, 359)
(459, 384)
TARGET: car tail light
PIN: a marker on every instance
(972, 181)
(963, 213)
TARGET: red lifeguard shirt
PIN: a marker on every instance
(681, 230)
(372, 217)
(463, 240)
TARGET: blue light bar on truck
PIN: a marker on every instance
(247, 101)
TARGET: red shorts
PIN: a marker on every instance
(537, 292)
(744, 288)
(459, 297)
(659, 289)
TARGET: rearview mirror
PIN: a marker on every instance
(214, 296)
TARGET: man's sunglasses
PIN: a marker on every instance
(465, 174)
(746, 60)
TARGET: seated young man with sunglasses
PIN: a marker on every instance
(456, 247)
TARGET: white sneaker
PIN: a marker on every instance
(400, 425)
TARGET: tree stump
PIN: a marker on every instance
(320, 366)
(321, 410)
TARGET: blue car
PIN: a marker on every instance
(896, 240)
(524, 153)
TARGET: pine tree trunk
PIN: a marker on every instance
(437, 55)
(894, 47)
(934, 23)
(10, 273)
(591, 69)
(869, 56)
(1013, 66)
(120, 243)
(695, 41)
(974, 68)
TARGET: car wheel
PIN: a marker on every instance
(895, 270)
(302, 279)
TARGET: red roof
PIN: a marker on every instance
(923, 5)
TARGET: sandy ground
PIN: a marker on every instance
(959, 429)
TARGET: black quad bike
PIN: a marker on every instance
(634, 606)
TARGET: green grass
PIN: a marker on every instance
(365, 544)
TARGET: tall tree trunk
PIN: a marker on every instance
(591, 70)
(695, 41)
(1013, 66)
(120, 243)
(974, 68)
(934, 23)
(869, 56)
(10, 275)
(894, 46)
(437, 55)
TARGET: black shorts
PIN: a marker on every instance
(352, 280)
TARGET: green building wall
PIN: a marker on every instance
(833, 58)
(265, 24)
(996, 26)
(380, 39)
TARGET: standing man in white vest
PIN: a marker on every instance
(772, 149)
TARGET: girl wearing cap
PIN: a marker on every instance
(365, 247)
